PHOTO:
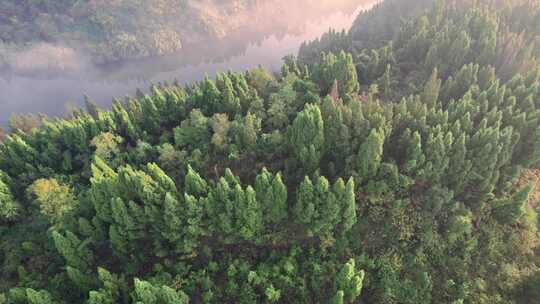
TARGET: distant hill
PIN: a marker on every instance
(111, 30)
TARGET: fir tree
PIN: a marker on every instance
(306, 137)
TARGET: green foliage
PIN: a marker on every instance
(321, 208)
(240, 189)
(338, 67)
(146, 293)
(9, 208)
(509, 211)
(193, 132)
(306, 137)
(370, 155)
(348, 283)
(272, 194)
(56, 201)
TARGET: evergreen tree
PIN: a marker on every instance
(370, 155)
(510, 210)
(193, 132)
(146, 293)
(194, 184)
(349, 282)
(432, 89)
(9, 208)
(272, 195)
(306, 137)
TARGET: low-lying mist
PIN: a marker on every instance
(46, 77)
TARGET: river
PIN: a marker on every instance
(53, 94)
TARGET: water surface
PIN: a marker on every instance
(248, 48)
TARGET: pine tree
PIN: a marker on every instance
(432, 89)
(146, 293)
(459, 166)
(230, 103)
(9, 208)
(339, 298)
(509, 211)
(210, 102)
(370, 155)
(348, 202)
(113, 289)
(336, 132)
(306, 137)
(250, 218)
(386, 82)
(437, 149)
(349, 281)
(305, 202)
(91, 107)
(248, 132)
(194, 133)
(194, 184)
(83, 280)
(74, 250)
(322, 208)
(337, 67)
(272, 195)
(220, 126)
(38, 297)
(414, 156)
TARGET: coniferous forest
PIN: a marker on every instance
(396, 163)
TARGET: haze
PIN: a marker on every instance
(49, 78)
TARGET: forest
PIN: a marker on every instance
(110, 31)
(396, 163)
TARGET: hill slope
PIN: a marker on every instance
(396, 174)
(122, 29)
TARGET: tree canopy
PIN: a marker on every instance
(395, 164)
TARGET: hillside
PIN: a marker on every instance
(393, 167)
(107, 31)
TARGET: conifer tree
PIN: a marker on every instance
(432, 89)
(249, 217)
(113, 289)
(220, 127)
(38, 297)
(91, 107)
(349, 281)
(193, 133)
(146, 293)
(414, 156)
(230, 103)
(272, 195)
(370, 155)
(306, 137)
(338, 67)
(347, 198)
(509, 211)
(194, 184)
(9, 208)
(459, 166)
(74, 250)
(210, 102)
(305, 209)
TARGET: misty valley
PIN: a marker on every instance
(61, 75)
(269, 151)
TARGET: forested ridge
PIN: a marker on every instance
(387, 164)
(109, 31)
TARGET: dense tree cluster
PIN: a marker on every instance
(385, 172)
